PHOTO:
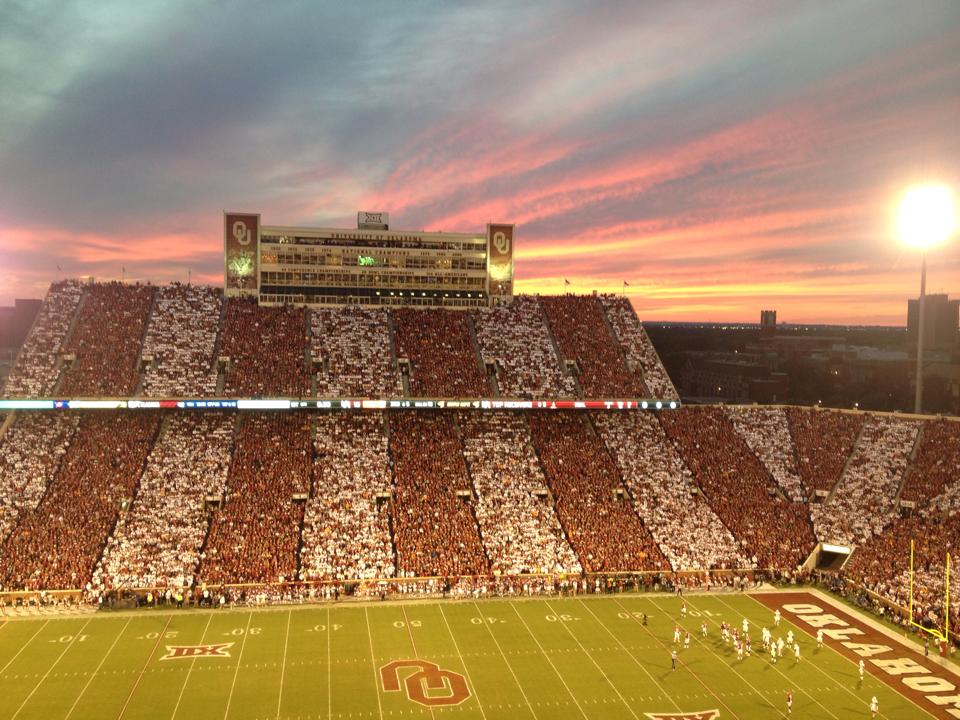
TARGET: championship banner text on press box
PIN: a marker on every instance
(345, 404)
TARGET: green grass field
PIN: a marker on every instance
(587, 657)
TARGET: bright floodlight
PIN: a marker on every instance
(927, 216)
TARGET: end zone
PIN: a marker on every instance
(921, 680)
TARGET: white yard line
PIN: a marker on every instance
(160, 635)
(639, 664)
(283, 665)
(595, 663)
(329, 669)
(544, 653)
(850, 660)
(504, 656)
(406, 621)
(773, 665)
(190, 670)
(663, 645)
(50, 669)
(97, 670)
(23, 647)
(236, 672)
(464, 663)
(373, 661)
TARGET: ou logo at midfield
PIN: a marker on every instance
(241, 233)
(501, 242)
(429, 676)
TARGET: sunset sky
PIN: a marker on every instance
(719, 156)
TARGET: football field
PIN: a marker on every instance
(586, 657)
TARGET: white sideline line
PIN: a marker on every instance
(595, 663)
(97, 670)
(283, 664)
(544, 653)
(850, 660)
(504, 656)
(373, 660)
(236, 672)
(463, 662)
(24, 647)
(193, 662)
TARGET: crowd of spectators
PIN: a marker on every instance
(267, 347)
(434, 527)
(638, 347)
(739, 488)
(156, 543)
(863, 503)
(592, 504)
(106, 341)
(30, 454)
(56, 544)
(768, 434)
(935, 468)
(351, 349)
(665, 495)
(346, 527)
(181, 337)
(822, 441)
(580, 328)
(516, 337)
(882, 564)
(36, 371)
(439, 346)
(254, 537)
(517, 521)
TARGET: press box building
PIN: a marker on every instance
(369, 265)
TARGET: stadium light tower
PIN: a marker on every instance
(926, 219)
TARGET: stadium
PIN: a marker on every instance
(307, 503)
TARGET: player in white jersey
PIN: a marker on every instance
(780, 646)
(861, 666)
(683, 610)
(676, 634)
(796, 652)
(765, 634)
(819, 638)
(789, 637)
(703, 628)
(874, 706)
(776, 617)
(746, 626)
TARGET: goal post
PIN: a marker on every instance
(939, 634)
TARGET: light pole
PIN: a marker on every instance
(925, 220)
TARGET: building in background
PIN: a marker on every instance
(941, 324)
(369, 265)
